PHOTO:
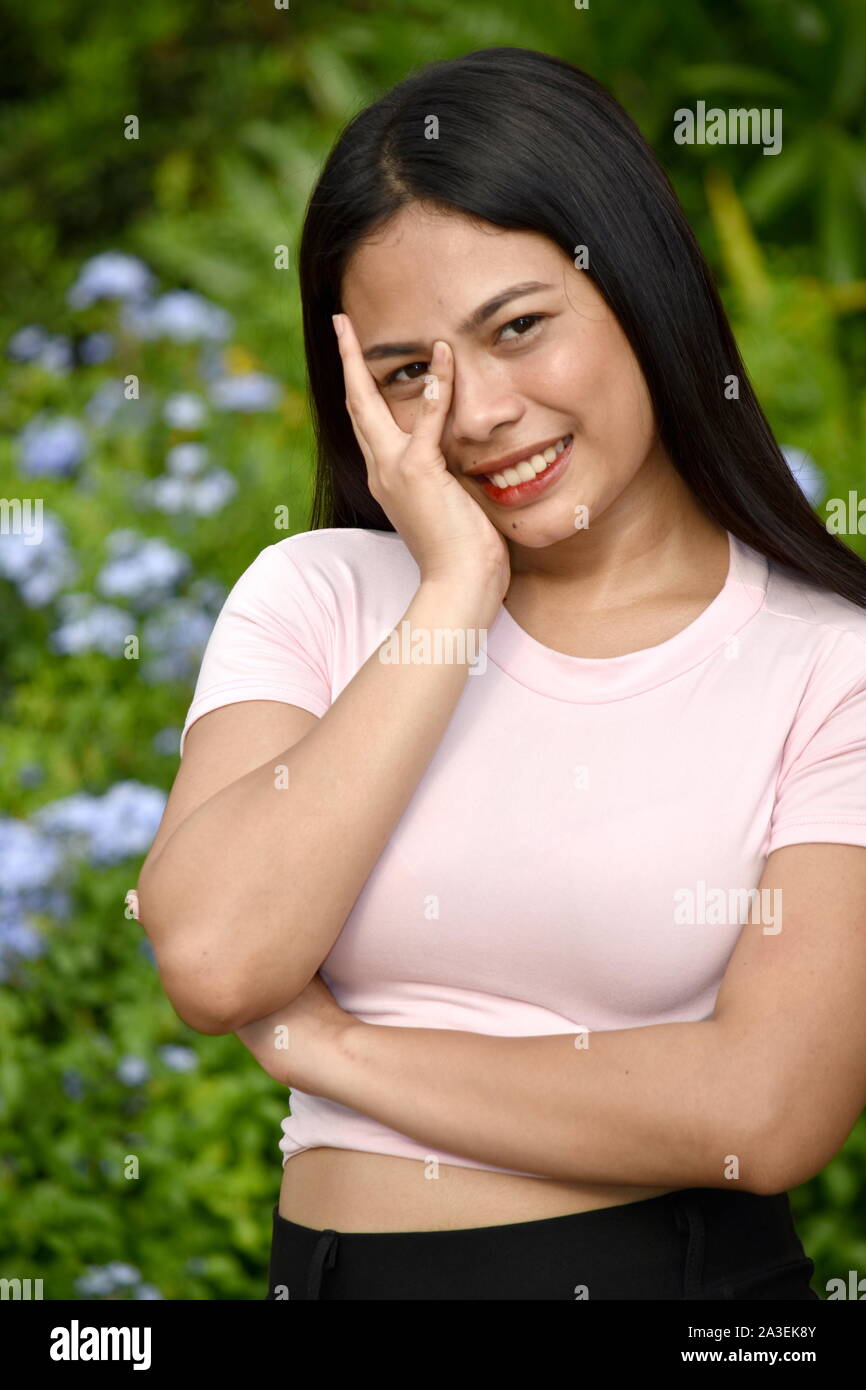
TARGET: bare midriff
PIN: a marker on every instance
(346, 1190)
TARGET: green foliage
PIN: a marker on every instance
(238, 104)
(176, 1176)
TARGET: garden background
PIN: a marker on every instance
(154, 256)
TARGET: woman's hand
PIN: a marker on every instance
(299, 1042)
(447, 532)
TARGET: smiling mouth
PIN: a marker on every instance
(527, 489)
(533, 466)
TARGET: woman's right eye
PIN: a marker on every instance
(392, 377)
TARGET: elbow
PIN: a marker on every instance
(747, 1146)
(789, 1148)
(196, 1000)
(783, 1171)
(211, 987)
(799, 1150)
(211, 1001)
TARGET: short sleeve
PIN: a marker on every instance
(822, 791)
(270, 642)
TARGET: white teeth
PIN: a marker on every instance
(529, 468)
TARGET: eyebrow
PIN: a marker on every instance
(475, 320)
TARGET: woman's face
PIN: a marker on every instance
(549, 363)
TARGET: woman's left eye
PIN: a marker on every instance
(531, 319)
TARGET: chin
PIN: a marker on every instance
(534, 533)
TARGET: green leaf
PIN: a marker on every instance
(840, 226)
(709, 80)
(777, 180)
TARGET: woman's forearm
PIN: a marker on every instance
(671, 1105)
(250, 892)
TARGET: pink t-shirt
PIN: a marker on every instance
(580, 850)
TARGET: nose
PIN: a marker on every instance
(482, 400)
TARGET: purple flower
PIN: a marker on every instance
(51, 447)
(30, 775)
(144, 570)
(248, 392)
(168, 495)
(18, 941)
(56, 355)
(109, 408)
(806, 472)
(181, 315)
(100, 1280)
(71, 821)
(29, 866)
(179, 1058)
(174, 639)
(212, 492)
(96, 348)
(209, 595)
(27, 344)
(108, 829)
(204, 496)
(110, 275)
(124, 1276)
(90, 626)
(185, 411)
(94, 1283)
(38, 571)
(73, 1084)
(147, 1291)
(28, 861)
(33, 344)
(186, 460)
(132, 1071)
(129, 817)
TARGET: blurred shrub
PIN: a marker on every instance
(156, 500)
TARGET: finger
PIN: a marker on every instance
(363, 399)
(436, 400)
(362, 442)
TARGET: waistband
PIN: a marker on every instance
(728, 1233)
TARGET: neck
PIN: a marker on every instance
(651, 539)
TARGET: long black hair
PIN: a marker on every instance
(528, 142)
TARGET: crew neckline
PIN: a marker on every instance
(589, 680)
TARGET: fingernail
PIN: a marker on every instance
(337, 321)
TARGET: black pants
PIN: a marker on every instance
(696, 1243)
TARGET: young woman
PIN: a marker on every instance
(563, 962)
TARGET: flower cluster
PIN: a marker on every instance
(105, 829)
(31, 866)
(35, 854)
(116, 1277)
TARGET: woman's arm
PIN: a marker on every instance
(763, 1093)
(635, 1106)
(248, 895)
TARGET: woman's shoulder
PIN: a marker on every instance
(814, 616)
(351, 546)
(341, 571)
